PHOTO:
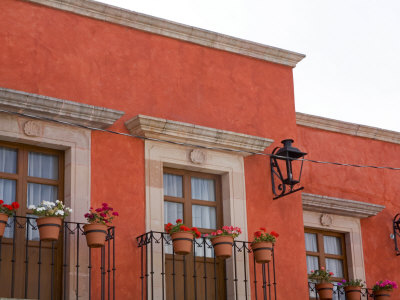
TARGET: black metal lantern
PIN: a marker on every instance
(284, 182)
(396, 233)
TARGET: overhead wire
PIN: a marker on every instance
(42, 118)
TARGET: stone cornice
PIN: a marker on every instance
(344, 207)
(53, 108)
(194, 134)
(108, 13)
(348, 128)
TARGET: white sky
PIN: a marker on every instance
(352, 68)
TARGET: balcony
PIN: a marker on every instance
(64, 269)
(339, 293)
(200, 275)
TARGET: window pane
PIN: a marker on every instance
(41, 192)
(312, 263)
(203, 189)
(332, 245)
(172, 185)
(172, 211)
(311, 242)
(42, 165)
(200, 246)
(204, 216)
(8, 160)
(335, 266)
(7, 190)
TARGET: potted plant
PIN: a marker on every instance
(383, 289)
(324, 287)
(352, 288)
(50, 218)
(182, 236)
(262, 245)
(222, 240)
(6, 211)
(99, 219)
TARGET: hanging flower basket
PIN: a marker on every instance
(49, 228)
(383, 289)
(95, 235)
(262, 252)
(99, 219)
(182, 236)
(182, 242)
(223, 246)
(353, 292)
(3, 223)
(325, 290)
(382, 295)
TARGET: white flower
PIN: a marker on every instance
(69, 209)
(59, 212)
(58, 201)
(31, 206)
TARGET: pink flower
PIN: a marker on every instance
(331, 273)
(225, 227)
(205, 235)
(312, 271)
(322, 268)
(115, 214)
(103, 215)
(213, 233)
(219, 231)
(99, 209)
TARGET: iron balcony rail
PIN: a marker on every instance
(154, 246)
(339, 293)
(96, 263)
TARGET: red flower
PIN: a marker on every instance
(103, 215)
(331, 273)
(273, 233)
(194, 229)
(1, 201)
(263, 229)
(198, 234)
(15, 205)
(178, 221)
(99, 209)
(257, 234)
(115, 214)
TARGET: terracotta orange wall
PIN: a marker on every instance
(59, 54)
(361, 184)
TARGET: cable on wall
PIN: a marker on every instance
(191, 145)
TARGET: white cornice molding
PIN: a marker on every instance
(53, 108)
(181, 132)
(337, 206)
(108, 13)
(347, 128)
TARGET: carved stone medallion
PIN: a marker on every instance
(326, 220)
(198, 156)
(32, 128)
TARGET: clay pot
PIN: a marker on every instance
(3, 223)
(353, 292)
(95, 235)
(49, 228)
(262, 252)
(382, 295)
(325, 290)
(223, 246)
(182, 242)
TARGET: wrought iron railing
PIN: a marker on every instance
(339, 292)
(201, 282)
(63, 269)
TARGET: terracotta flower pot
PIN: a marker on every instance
(262, 252)
(3, 223)
(49, 228)
(382, 295)
(223, 246)
(182, 242)
(325, 290)
(353, 292)
(95, 235)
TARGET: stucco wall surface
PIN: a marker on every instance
(360, 184)
(59, 54)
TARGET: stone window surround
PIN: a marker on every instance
(341, 215)
(231, 168)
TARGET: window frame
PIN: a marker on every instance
(321, 253)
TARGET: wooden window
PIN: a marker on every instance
(29, 175)
(196, 199)
(326, 249)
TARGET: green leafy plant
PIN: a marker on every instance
(262, 236)
(385, 285)
(102, 215)
(353, 282)
(320, 276)
(8, 209)
(180, 227)
(51, 209)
